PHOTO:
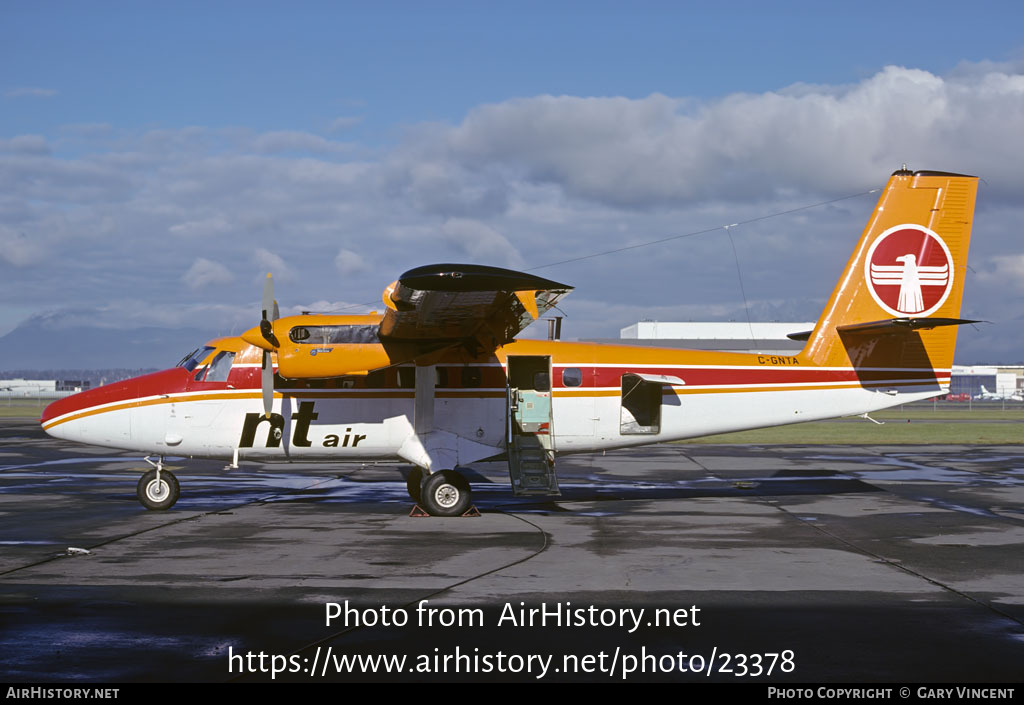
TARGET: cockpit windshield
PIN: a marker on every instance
(192, 360)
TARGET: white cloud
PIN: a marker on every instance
(344, 123)
(273, 263)
(35, 176)
(663, 151)
(30, 92)
(132, 313)
(178, 142)
(440, 186)
(25, 144)
(325, 306)
(1004, 272)
(88, 129)
(201, 228)
(481, 242)
(18, 249)
(293, 141)
(204, 272)
(349, 262)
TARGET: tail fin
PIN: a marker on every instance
(897, 304)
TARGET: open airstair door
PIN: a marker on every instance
(531, 449)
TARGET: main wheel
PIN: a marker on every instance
(414, 483)
(446, 493)
(158, 494)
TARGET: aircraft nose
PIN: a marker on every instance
(61, 407)
(70, 417)
(89, 399)
(102, 416)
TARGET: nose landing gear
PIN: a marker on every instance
(158, 488)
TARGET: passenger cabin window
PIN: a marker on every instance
(334, 335)
(407, 377)
(572, 377)
(471, 377)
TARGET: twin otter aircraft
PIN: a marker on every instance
(440, 381)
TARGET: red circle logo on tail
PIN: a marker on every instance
(909, 271)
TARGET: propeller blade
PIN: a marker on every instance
(269, 313)
(268, 295)
(267, 384)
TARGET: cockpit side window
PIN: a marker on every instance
(192, 360)
(220, 367)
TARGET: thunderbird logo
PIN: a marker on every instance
(909, 271)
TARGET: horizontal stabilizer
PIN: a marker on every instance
(893, 325)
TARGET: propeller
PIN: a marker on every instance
(270, 313)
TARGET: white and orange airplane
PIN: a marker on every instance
(439, 380)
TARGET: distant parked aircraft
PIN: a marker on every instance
(995, 396)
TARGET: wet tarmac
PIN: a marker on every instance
(781, 563)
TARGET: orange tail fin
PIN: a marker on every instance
(897, 304)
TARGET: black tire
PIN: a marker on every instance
(158, 495)
(414, 483)
(446, 493)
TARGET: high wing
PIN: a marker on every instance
(465, 302)
(429, 309)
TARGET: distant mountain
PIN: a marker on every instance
(36, 345)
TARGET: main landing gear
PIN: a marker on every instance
(445, 493)
(158, 489)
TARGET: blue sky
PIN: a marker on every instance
(156, 158)
(298, 66)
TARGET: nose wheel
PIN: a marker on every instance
(158, 489)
